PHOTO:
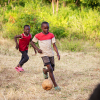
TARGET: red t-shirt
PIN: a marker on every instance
(41, 36)
(24, 42)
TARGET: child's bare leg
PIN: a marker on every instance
(45, 70)
(50, 70)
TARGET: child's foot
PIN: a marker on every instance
(57, 88)
(17, 69)
(20, 69)
(45, 75)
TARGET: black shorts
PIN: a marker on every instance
(48, 60)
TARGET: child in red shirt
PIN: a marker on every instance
(24, 40)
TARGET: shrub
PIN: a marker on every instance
(71, 45)
(69, 22)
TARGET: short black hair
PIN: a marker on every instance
(26, 26)
(44, 23)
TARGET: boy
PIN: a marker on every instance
(46, 39)
(24, 40)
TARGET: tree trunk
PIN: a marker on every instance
(55, 1)
(53, 6)
(64, 3)
(57, 6)
(8, 1)
(78, 2)
(50, 0)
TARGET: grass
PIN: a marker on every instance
(76, 45)
(77, 73)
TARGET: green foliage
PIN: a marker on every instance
(13, 2)
(97, 45)
(71, 45)
(92, 3)
(11, 31)
(71, 22)
(59, 32)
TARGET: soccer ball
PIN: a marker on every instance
(47, 84)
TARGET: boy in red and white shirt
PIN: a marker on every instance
(24, 40)
(45, 40)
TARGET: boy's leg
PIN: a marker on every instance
(24, 57)
(50, 70)
(19, 66)
(51, 60)
(21, 59)
(57, 88)
(47, 62)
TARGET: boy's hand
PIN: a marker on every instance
(17, 46)
(58, 56)
(39, 51)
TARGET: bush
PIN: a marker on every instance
(71, 45)
(69, 22)
(11, 30)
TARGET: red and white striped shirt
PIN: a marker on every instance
(45, 41)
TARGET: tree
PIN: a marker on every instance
(53, 6)
(8, 1)
(57, 6)
(77, 2)
(64, 3)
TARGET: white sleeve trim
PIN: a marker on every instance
(34, 39)
(53, 40)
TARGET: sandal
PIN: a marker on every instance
(17, 69)
(45, 75)
(20, 69)
(57, 88)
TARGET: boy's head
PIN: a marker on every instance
(26, 29)
(45, 27)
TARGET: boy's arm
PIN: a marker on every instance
(56, 50)
(34, 46)
(15, 38)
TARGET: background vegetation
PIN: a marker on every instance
(72, 21)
